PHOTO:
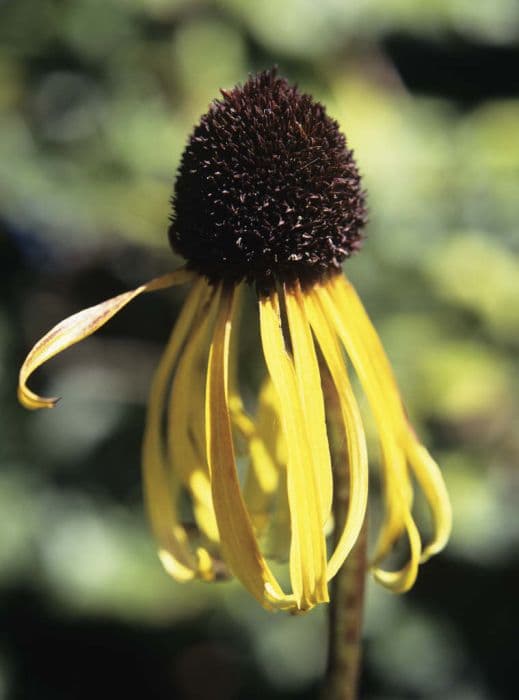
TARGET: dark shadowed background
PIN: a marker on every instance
(97, 98)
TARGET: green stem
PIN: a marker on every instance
(347, 595)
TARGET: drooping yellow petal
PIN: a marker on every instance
(308, 547)
(78, 327)
(355, 439)
(431, 481)
(352, 307)
(239, 417)
(238, 543)
(393, 463)
(186, 420)
(259, 435)
(265, 488)
(423, 466)
(277, 536)
(310, 390)
(399, 520)
(393, 457)
(161, 487)
(266, 460)
(397, 483)
(402, 580)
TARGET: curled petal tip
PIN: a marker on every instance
(431, 551)
(79, 326)
(33, 402)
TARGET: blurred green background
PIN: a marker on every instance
(97, 99)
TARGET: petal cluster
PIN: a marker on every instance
(211, 519)
(284, 506)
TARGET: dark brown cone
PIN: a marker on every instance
(267, 189)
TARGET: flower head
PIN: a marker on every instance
(268, 193)
(267, 188)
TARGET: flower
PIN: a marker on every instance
(268, 195)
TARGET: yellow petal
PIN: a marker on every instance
(239, 417)
(277, 537)
(352, 308)
(238, 543)
(397, 482)
(262, 479)
(311, 393)
(308, 547)
(393, 463)
(162, 488)
(431, 481)
(402, 580)
(396, 477)
(423, 466)
(186, 419)
(262, 476)
(355, 440)
(399, 520)
(78, 327)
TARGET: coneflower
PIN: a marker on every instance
(268, 195)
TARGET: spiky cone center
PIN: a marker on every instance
(267, 189)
